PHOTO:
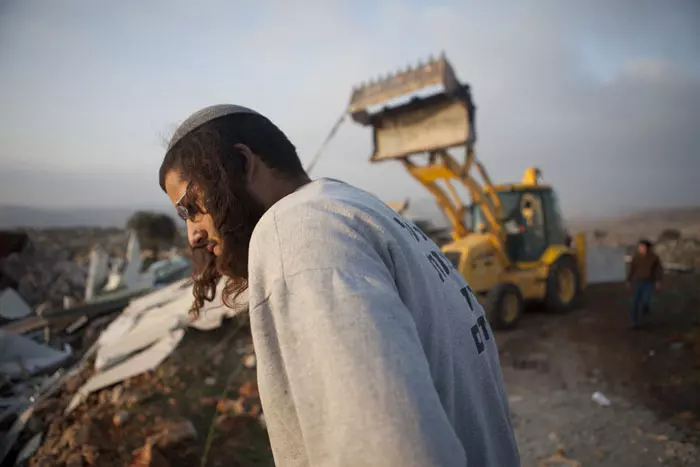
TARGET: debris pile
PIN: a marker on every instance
(53, 264)
(50, 268)
(136, 379)
(683, 252)
(79, 295)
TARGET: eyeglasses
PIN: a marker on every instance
(183, 211)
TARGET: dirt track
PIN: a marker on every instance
(553, 364)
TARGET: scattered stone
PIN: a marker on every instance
(133, 398)
(116, 395)
(686, 453)
(208, 401)
(226, 405)
(120, 418)
(210, 381)
(75, 460)
(90, 454)
(149, 456)
(249, 389)
(557, 460)
(171, 432)
(600, 399)
(249, 361)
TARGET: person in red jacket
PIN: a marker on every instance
(644, 276)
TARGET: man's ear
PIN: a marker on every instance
(250, 161)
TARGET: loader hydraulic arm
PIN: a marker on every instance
(443, 168)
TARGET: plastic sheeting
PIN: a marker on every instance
(147, 331)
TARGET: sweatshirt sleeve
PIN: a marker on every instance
(340, 359)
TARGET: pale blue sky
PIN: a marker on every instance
(603, 96)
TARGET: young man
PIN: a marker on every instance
(372, 350)
(644, 275)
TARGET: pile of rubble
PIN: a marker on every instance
(79, 294)
(141, 373)
(52, 267)
(53, 264)
(684, 252)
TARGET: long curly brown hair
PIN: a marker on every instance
(207, 159)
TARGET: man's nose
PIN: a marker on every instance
(195, 235)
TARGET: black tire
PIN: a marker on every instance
(496, 311)
(553, 299)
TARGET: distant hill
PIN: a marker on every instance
(645, 223)
(12, 217)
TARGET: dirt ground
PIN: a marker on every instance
(205, 399)
(553, 364)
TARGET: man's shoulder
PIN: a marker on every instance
(324, 227)
(324, 199)
(322, 205)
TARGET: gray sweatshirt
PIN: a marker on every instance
(372, 349)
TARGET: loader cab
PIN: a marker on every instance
(531, 217)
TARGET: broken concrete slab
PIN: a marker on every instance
(126, 274)
(97, 272)
(22, 356)
(13, 306)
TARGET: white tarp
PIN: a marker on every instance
(19, 355)
(605, 264)
(147, 331)
(13, 306)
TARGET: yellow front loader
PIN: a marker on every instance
(509, 241)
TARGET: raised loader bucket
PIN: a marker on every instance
(417, 110)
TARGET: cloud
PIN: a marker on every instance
(603, 96)
(606, 145)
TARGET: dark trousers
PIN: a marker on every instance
(641, 299)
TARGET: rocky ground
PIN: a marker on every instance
(553, 364)
(200, 407)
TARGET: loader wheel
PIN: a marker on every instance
(504, 306)
(563, 285)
